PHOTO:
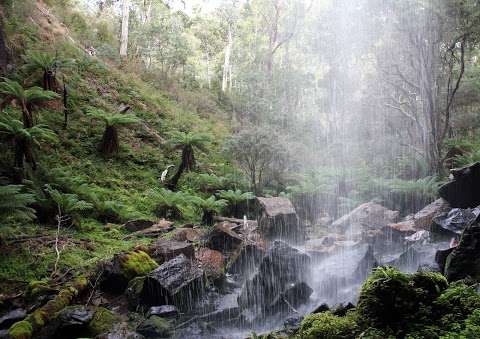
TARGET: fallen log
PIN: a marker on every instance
(26, 328)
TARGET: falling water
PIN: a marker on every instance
(359, 134)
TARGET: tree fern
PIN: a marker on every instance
(15, 203)
(110, 143)
(210, 207)
(69, 205)
(46, 63)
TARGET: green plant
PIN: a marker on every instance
(69, 206)
(15, 203)
(210, 207)
(47, 64)
(187, 142)
(173, 205)
(24, 138)
(110, 143)
(235, 200)
(325, 325)
(13, 90)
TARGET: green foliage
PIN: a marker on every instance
(15, 203)
(210, 207)
(68, 204)
(13, 129)
(457, 302)
(173, 205)
(112, 120)
(35, 61)
(197, 140)
(15, 90)
(102, 321)
(325, 325)
(235, 196)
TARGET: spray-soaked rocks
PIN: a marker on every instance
(163, 249)
(367, 216)
(463, 190)
(223, 238)
(282, 267)
(178, 282)
(454, 222)
(278, 219)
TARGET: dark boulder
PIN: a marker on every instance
(164, 311)
(72, 322)
(293, 297)
(464, 260)
(178, 281)
(12, 317)
(246, 259)
(278, 219)
(212, 263)
(163, 250)
(222, 238)
(463, 190)
(281, 267)
(138, 225)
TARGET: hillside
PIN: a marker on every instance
(122, 186)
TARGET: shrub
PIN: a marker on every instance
(328, 326)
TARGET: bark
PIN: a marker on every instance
(65, 104)
(4, 54)
(187, 164)
(226, 64)
(109, 144)
(124, 34)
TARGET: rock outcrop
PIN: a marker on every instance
(278, 219)
(281, 268)
(176, 282)
(464, 260)
(367, 216)
(163, 250)
(463, 190)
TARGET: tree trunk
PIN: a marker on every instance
(188, 158)
(65, 104)
(26, 116)
(109, 144)
(4, 54)
(124, 34)
(226, 64)
(19, 153)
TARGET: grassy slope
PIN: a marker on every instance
(75, 166)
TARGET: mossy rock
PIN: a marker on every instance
(137, 263)
(39, 287)
(326, 325)
(103, 321)
(155, 327)
(21, 330)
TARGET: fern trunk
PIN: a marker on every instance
(187, 164)
(207, 218)
(109, 144)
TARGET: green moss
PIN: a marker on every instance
(39, 287)
(325, 325)
(137, 263)
(21, 330)
(155, 327)
(103, 320)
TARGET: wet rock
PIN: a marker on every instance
(294, 296)
(155, 327)
(133, 293)
(341, 310)
(103, 321)
(164, 311)
(429, 268)
(441, 257)
(222, 238)
(120, 331)
(72, 322)
(414, 257)
(282, 266)
(246, 259)
(138, 225)
(278, 219)
(12, 317)
(464, 260)
(124, 266)
(424, 218)
(462, 191)
(321, 308)
(365, 263)
(178, 281)
(163, 250)
(160, 228)
(368, 216)
(457, 219)
(187, 234)
(420, 237)
(212, 262)
(405, 227)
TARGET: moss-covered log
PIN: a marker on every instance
(40, 317)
